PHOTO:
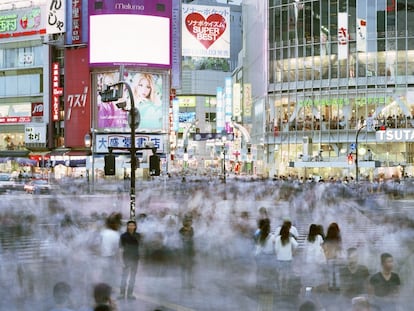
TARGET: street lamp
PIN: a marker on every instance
(113, 93)
(224, 139)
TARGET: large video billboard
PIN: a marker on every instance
(205, 31)
(136, 32)
(147, 89)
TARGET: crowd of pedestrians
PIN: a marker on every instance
(323, 267)
(288, 257)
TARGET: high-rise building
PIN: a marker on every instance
(326, 76)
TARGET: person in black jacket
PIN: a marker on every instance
(129, 242)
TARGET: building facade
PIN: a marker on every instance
(336, 72)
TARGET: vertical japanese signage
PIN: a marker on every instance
(361, 35)
(77, 99)
(220, 120)
(57, 91)
(228, 104)
(76, 21)
(176, 112)
(247, 100)
(236, 100)
(55, 14)
(343, 35)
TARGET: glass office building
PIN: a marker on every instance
(336, 67)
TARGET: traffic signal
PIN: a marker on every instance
(155, 169)
(111, 93)
(350, 159)
(109, 164)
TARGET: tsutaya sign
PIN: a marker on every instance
(396, 135)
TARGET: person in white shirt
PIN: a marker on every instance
(265, 255)
(109, 247)
(285, 246)
(313, 258)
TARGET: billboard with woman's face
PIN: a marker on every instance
(147, 89)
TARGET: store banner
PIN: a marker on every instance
(76, 21)
(236, 100)
(120, 142)
(220, 117)
(77, 98)
(343, 35)
(361, 35)
(35, 134)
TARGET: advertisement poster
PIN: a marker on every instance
(205, 31)
(147, 91)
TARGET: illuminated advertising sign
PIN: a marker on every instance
(205, 31)
(103, 141)
(220, 121)
(56, 18)
(57, 91)
(22, 22)
(147, 89)
(247, 100)
(236, 100)
(77, 99)
(130, 32)
(187, 101)
(228, 108)
(76, 33)
(176, 111)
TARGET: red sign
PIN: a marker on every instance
(37, 109)
(76, 21)
(207, 31)
(57, 91)
(15, 120)
(77, 97)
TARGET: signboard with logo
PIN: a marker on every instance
(77, 101)
(55, 13)
(205, 31)
(104, 141)
(395, 135)
(37, 112)
(76, 21)
(22, 22)
(35, 134)
(114, 22)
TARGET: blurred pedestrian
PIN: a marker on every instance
(314, 259)
(130, 243)
(385, 285)
(61, 297)
(353, 276)
(102, 294)
(265, 255)
(285, 246)
(333, 253)
(109, 247)
(187, 252)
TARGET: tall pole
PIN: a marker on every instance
(132, 125)
(224, 163)
(356, 154)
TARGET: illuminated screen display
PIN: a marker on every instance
(129, 39)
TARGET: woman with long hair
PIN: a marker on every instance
(333, 253)
(285, 246)
(265, 254)
(313, 258)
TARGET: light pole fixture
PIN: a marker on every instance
(224, 140)
(114, 93)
